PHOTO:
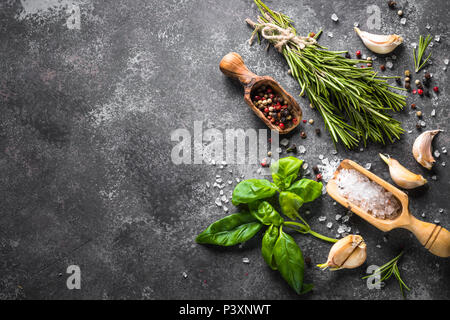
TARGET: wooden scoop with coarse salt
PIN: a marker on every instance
(233, 66)
(433, 237)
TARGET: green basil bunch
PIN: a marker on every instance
(279, 249)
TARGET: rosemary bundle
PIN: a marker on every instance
(353, 101)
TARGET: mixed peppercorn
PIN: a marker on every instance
(274, 107)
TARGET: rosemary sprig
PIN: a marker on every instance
(423, 44)
(387, 270)
(352, 101)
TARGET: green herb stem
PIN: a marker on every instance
(387, 270)
(305, 229)
(423, 44)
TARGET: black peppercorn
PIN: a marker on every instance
(308, 262)
(407, 85)
(427, 93)
(303, 135)
(427, 75)
(317, 131)
(418, 126)
(399, 81)
(347, 55)
(392, 4)
(315, 169)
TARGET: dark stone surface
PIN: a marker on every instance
(86, 177)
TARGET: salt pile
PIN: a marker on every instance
(367, 195)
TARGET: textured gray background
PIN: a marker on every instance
(87, 109)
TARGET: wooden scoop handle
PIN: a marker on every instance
(433, 237)
(233, 66)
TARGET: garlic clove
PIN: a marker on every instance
(422, 149)
(377, 43)
(347, 253)
(402, 176)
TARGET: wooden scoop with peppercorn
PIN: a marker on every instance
(264, 95)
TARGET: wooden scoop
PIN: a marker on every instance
(233, 66)
(433, 237)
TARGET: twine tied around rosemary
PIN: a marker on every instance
(279, 36)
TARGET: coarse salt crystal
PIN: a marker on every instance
(367, 195)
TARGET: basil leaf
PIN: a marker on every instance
(285, 171)
(290, 203)
(307, 189)
(265, 213)
(231, 230)
(307, 287)
(289, 260)
(253, 189)
(268, 244)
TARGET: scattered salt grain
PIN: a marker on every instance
(446, 61)
(329, 225)
(378, 246)
(229, 182)
(433, 113)
(368, 166)
(389, 64)
(441, 210)
(436, 221)
(301, 149)
(443, 164)
(428, 26)
(436, 153)
(434, 177)
(330, 34)
(437, 38)
(345, 219)
(184, 274)
(321, 156)
(245, 260)
(414, 45)
(338, 216)
(403, 21)
(322, 218)
(207, 184)
(356, 24)
(279, 150)
(444, 150)
(218, 202)
(367, 195)
(423, 215)
(225, 209)
(334, 17)
(284, 142)
(341, 229)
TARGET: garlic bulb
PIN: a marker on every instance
(422, 148)
(402, 176)
(347, 253)
(377, 43)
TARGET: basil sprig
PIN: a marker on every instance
(279, 249)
